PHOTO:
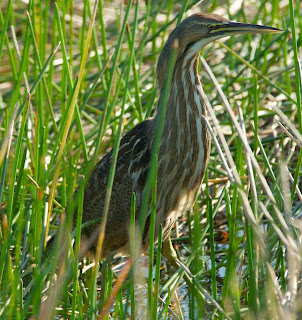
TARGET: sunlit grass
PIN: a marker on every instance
(71, 86)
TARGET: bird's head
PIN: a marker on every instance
(193, 33)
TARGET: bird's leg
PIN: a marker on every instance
(170, 253)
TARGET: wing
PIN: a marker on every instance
(130, 176)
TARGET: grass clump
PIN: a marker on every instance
(73, 78)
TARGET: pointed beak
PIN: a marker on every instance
(233, 28)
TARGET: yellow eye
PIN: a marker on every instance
(211, 27)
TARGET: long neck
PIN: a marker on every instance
(184, 130)
(185, 106)
(184, 149)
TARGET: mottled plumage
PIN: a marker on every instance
(184, 147)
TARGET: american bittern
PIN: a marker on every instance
(185, 143)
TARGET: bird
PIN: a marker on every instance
(184, 148)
